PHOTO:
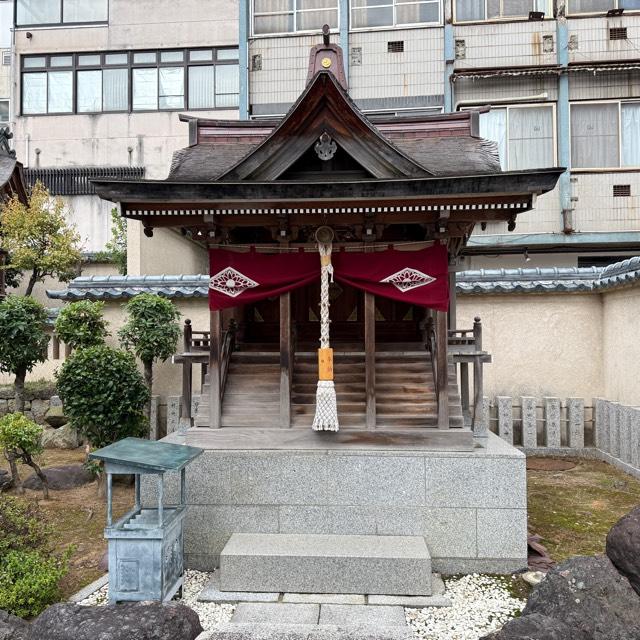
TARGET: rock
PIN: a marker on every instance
(103, 565)
(55, 416)
(59, 478)
(623, 547)
(66, 437)
(39, 409)
(533, 577)
(141, 620)
(5, 480)
(537, 627)
(55, 401)
(590, 596)
(4, 408)
(12, 628)
(7, 391)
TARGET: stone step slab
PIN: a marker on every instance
(231, 631)
(313, 563)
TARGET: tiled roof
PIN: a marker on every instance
(540, 280)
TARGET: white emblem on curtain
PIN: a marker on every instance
(231, 282)
(407, 279)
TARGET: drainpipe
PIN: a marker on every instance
(564, 148)
(243, 55)
(449, 59)
(344, 16)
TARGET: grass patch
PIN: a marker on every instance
(573, 510)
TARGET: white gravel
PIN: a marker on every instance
(210, 613)
(480, 605)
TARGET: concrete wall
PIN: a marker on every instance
(621, 347)
(542, 345)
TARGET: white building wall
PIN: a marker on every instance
(591, 40)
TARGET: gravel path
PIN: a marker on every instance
(480, 605)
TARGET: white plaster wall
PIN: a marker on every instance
(542, 345)
(621, 346)
(6, 22)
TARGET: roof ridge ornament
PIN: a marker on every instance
(326, 147)
(5, 148)
(327, 57)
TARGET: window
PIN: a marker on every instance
(389, 13)
(524, 134)
(289, 16)
(35, 12)
(4, 112)
(605, 135)
(600, 6)
(477, 10)
(6, 58)
(137, 81)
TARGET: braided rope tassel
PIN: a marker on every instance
(326, 417)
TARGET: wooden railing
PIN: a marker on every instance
(196, 346)
(465, 347)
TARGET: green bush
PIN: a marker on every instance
(103, 394)
(29, 581)
(81, 324)
(21, 526)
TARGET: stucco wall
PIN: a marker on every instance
(621, 347)
(542, 345)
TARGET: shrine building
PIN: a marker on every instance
(397, 199)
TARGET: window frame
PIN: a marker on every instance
(130, 65)
(8, 120)
(590, 14)
(620, 167)
(62, 22)
(548, 15)
(397, 25)
(524, 105)
(294, 12)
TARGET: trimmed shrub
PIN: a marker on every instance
(81, 324)
(21, 526)
(103, 394)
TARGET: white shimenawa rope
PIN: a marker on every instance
(326, 418)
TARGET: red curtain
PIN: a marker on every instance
(243, 278)
(416, 277)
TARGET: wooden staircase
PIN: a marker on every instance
(405, 390)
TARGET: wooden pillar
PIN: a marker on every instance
(453, 302)
(285, 360)
(187, 373)
(464, 389)
(370, 357)
(215, 345)
(442, 382)
(478, 383)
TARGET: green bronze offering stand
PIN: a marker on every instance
(146, 546)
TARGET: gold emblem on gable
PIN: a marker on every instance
(326, 62)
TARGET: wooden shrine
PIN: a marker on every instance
(266, 186)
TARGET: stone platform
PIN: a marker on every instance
(470, 507)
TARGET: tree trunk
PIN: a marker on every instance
(43, 478)
(15, 477)
(19, 389)
(148, 380)
(32, 283)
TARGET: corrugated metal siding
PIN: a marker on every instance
(593, 43)
(486, 90)
(597, 210)
(418, 71)
(589, 86)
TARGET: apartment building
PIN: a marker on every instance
(98, 87)
(6, 22)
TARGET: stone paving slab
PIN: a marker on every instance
(410, 601)
(276, 613)
(324, 598)
(212, 593)
(243, 631)
(349, 615)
